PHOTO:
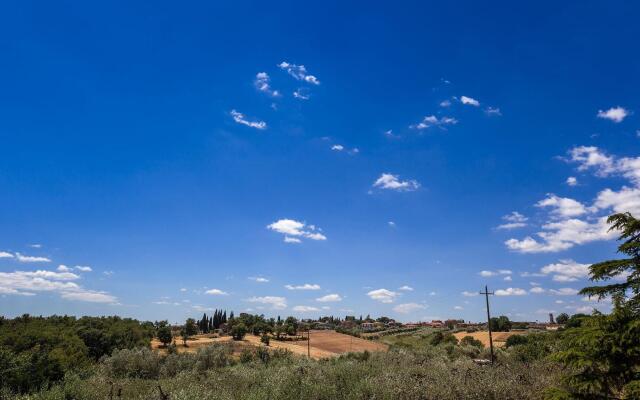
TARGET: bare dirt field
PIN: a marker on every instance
(499, 338)
(324, 344)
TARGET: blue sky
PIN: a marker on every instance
(329, 159)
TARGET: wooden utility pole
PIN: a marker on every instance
(486, 294)
(309, 342)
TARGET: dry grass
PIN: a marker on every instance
(324, 344)
(499, 338)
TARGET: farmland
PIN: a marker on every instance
(324, 344)
(499, 338)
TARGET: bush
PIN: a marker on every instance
(137, 363)
(471, 341)
(216, 356)
(515, 340)
(265, 339)
(238, 331)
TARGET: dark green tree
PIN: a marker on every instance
(190, 327)
(628, 268)
(500, 324)
(238, 331)
(562, 318)
(603, 351)
(164, 333)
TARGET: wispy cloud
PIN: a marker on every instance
(262, 84)
(275, 302)
(240, 118)
(258, 279)
(513, 221)
(408, 308)
(305, 309)
(31, 259)
(432, 120)
(306, 286)
(299, 72)
(393, 182)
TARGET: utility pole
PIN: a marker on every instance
(309, 341)
(486, 294)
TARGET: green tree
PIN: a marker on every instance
(562, 318)
(603, 351)
(500, 324)
(164, 333)
(190, 327)
(629, 267)
(238, 331)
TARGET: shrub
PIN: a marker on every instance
(515, 340)
(216, 356)
(471, 341)
(265, 339)
(238, 331)
(137, 363)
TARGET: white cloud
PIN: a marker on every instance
(305, 309)
(35, 246)
(391, 224)
(469, 101)
(432, 120)
(513, 220)
(536, 290)
(383, 295)
(406, 288)
(258, 279)
(337, 147)
(4, 254)
(572, 181)
(31, 259)
(26, 282)
(562, 206)
(510, 292)
(299, 72)
(83, 268)
(306, 286)
(445, 103)
(626, 199)
(294, 230)
(301, 94)
(615, 114)
(183, 289)
(393, 182)
(262, 83)
(564, 292)
(493, 111)
(487, 274)
(588, 157)
(63, 268)
(408, 308)
(240, 118)
(277, 303)
(458, 308)
(566, 271)
(508, 278)
(469, 294)
(330, 298)
(216, 292)
(89, 296)
(563, 235)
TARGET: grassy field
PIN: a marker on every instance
(324, 344)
